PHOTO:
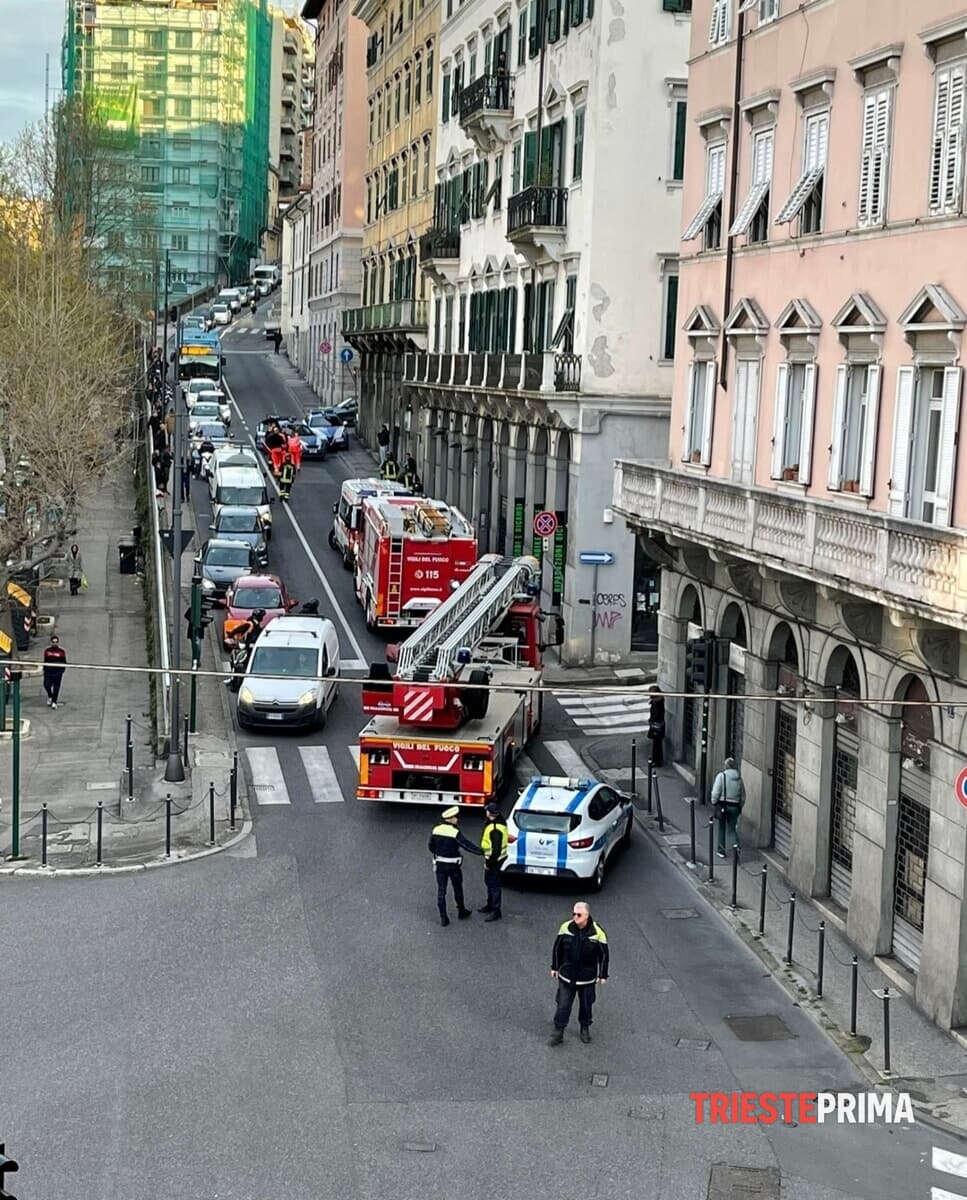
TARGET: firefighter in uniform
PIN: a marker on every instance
(286, 476)
(493, 844)
(445, 844)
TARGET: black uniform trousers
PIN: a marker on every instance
(492, 880)
(565, 1002)
(451, 873)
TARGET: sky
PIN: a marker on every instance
(31, 28)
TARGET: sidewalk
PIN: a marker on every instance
(922, 1056)
(73, 759)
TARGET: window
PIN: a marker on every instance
(700, 404)
(179, 241)
(415, 177)
(472, 67)
(745, 408)
(669, 320)
(522, 37)
(426, 164)
(429, 72)
(577, 162)
(154, 39)
(679, 117)
(925, 443)
(708, 219)
(457, 88)
(396, 101)
(721, 25)
(515, 169)
(853, 449)
(404, 176)
(806, 200)
(181, 175)
(445, 101)
(150, 174)
(677, 6)
(792, 438)
(119, 70)
(768, 10)
(875, 157)
(753, 216)
(418, 83)
(182, 106)
(119, 37)
(183, 39)
(407, 83)
(947, 148)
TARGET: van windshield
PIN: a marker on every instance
(286, 661)
(253, 496)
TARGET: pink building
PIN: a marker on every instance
(813, 507)
(336, 210)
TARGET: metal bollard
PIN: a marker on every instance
(233, 791)
(853, 989)
(886, 1032)
(651, 777)
(691, 828)
(187, 727)
(43, 835)
(658, 812)
(100, 831)
(711, 849)
(763, 884)
(792, 926)
(129, 757)
(168, 825)
(822, 958)
(734, 903)
(634, 766)
(211, 813)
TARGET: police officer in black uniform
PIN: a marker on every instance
(493, 844)
(445, 844)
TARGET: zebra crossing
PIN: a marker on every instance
(948, 1163)
(607, 713)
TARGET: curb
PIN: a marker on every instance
(742, 931)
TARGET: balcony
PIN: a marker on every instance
(902, 565)
(486, 110)
(288, 70)
(398, 325)
(537, 222)
(496, 372)
(440, 254)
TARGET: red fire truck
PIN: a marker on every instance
(465, 698)
(344, 535)
(411, 552)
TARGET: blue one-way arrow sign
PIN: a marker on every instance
(596, 558)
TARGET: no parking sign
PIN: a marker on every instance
(960, 787)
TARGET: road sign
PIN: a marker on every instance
(596, 558)
(960, 787)
(346, 355)
(325, 347)
(544, 524)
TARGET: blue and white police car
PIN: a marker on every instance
(567, 828)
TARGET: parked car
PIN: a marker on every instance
(204, 411)
(193, 389)
(209, 430)
(273, 321)
(232, 297)
(250, 592)
(567, 828)
(234, 480)
(241, 456)
(212, 395)
(290, 678)
(336, 435)
(221, 313)
(343, 413)
(220, 563)
(243, 523)
(313, 444)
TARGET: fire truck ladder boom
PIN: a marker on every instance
(480, 603)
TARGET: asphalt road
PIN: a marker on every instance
(291, 1020)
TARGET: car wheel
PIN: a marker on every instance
(321, 717)
(597, 879)
(626, 836)
(333, 544)
(347, 560)
(370, 617)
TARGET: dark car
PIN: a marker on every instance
(343, 413)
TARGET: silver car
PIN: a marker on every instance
(291, 677)
(216, 396)
(221, 562)
(242, 523)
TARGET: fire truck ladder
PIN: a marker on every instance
(432, 520)
(481, 602)
(394, 590)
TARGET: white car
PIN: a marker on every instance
(230, 296)
(567, 828)
(291, 676)
(241, 456)
(204, 412)
(216, 396)
(193, 389)
(221, 313)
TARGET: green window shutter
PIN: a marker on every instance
(475, 191)
(445, 109)
(678, 159)
(515, 169)
(553, 20)
(488, 55)
(530, 159)
(671, 317)
(522, 37)
(534, 31)
(577, 164)
(512, 322)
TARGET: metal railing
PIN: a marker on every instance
(541, 206)
(546, 372)
(439, 243)
(489, 93)
(396, 314)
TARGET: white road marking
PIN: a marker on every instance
(354, 752)
(949, 1163)
(607, 713)
(351, 664)
(942, 1194)
(267, 779)
(360, 662)
(525, 768)
(322, 778)
(569, 759)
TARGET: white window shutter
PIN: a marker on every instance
(949, 423)
(779, 420)
(881, 156)
(689, 411)
(839, 417)
(941, 119)
(866, 157)
(870, 430)
(954, 148)
(902, 434)
(708, 414)
(806, 432)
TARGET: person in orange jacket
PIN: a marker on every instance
(294, 447)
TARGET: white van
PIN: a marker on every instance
(242, 484)
(230, 296)
(290, 678)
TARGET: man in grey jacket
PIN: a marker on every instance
(728, 797)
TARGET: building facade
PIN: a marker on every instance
(337, 166)
(402, 63)
(294, 305)
(553, 260)
(190, 85)
(296, 52)
(812, 512)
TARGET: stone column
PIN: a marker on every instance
(809, 854)
(515, 481)
(479, 505)
(452, 487)
(556, 501)
(536, 482)
(869, 921)
(756, 753)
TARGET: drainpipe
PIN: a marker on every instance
(542, 13)
(733, 189)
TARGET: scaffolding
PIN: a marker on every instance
(194, 77)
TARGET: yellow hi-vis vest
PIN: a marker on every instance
(488, 833)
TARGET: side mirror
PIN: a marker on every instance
(223, 360)
(214, 530)
(333, 669)
(335, 508)
(292, 604)
(271, 499)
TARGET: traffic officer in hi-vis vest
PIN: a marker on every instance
(446, 842)
(493, 844)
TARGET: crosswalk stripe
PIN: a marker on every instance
(319, 771)
(570, 700)
(354, 752)
(615, 724)
(568, 758)
(942, 1194)
(949, 1163)
(267, 778)
(606, 710)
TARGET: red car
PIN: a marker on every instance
(250, 592)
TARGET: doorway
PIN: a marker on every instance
(647, 592)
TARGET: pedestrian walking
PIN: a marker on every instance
(275, 442)
(411, 476)
(277, 340)
(445, 844)
(579, 961)
(493, 843)
(75, 568)
(55, 660)
(656, 726)
(382, 441)
(728, 797)
(161, 461)
(170, 425)
(186, 479)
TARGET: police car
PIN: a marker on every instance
(567, 828)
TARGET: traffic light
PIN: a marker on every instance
(698, 662)
(6, 1164)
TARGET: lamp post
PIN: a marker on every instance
(15, 678)
(175, 769)
(195, 644)
(164, 340)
